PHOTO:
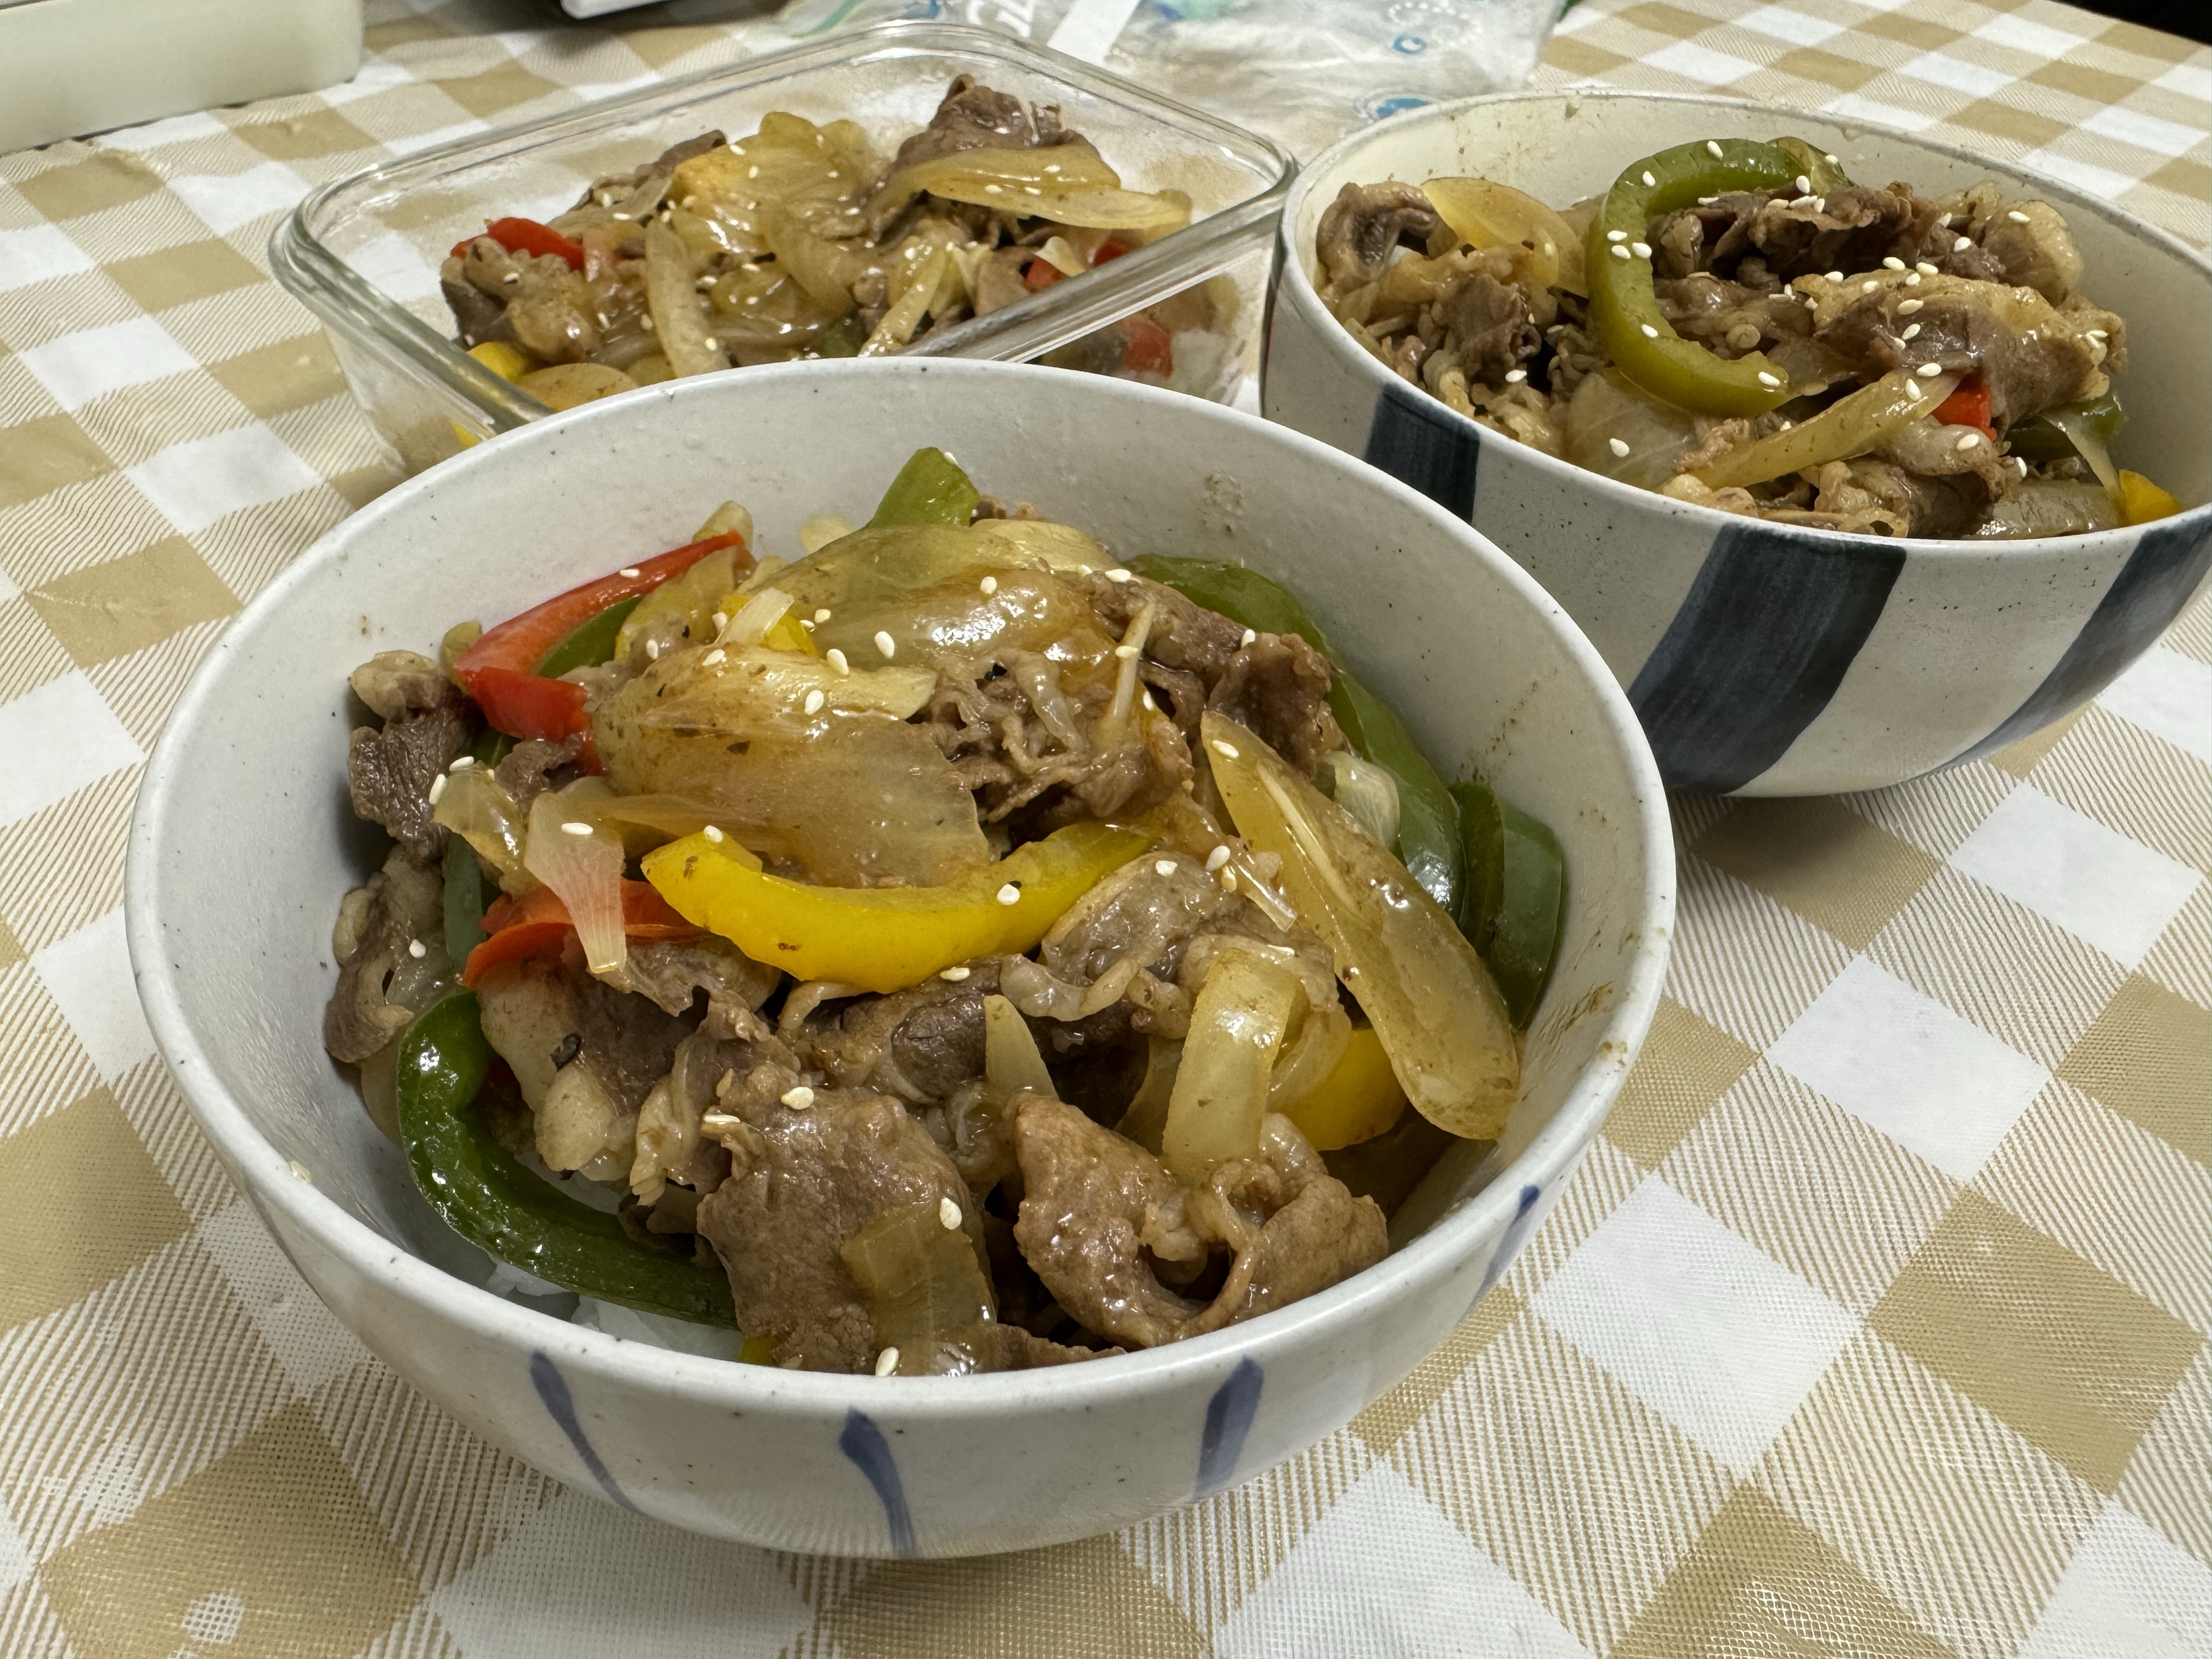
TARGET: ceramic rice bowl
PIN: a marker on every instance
(250, 776)
(1767, 658)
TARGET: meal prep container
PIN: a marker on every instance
(1767, 658)
(1487, 671)
(363, 252)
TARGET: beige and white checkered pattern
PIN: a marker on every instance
(1876, 1324)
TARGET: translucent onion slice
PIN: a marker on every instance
(1068, 183)
(923, 1281)
(1011, 1059)
(475, 806)
(585, 871)
(678, 323)
(1366, 791)
(1851, 426)
(1486, 214)
(1430, 999)
(1244, 1010)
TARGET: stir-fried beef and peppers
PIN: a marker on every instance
(802, 241)
(1739, 325)
(958, 951)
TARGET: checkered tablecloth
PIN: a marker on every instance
(1876, 1324)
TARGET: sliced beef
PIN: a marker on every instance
(733, 1061)
(1277, 688)
(2034, 250)
(919, 1044)
(526, 772)
(801, 1183)
(1184, 636)
(1361, 227)
(390, 769)
(673, 973)
(970, 116)
(538, 302)
(1001, 1347)
(382, 983)
(610, 190)
(1103, 1224)
(1489, 325)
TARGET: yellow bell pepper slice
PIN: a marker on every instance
(508, 362)
(1359, 1098)
(2141, 501)
(884, 939)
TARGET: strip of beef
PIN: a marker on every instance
(714, 1065)
(919, 1044)
(382, 983)
(674, 972)
(1277, 688)
(526, 770)
(1361, 227)
(2031, 354)
(1184, 636)
(1100, 1217)
(390, 769)
(970, 116)
(801, 1183)
(1001, 1347)
(537, 302)
(1488, 326)
(585, 1053)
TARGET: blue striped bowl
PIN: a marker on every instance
(1763, 658)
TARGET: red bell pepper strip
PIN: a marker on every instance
(1109, 249)
(499, 670)
(1969, 405)
(538, 922)
(528, 236)
(1042, 273)
(1150, 350)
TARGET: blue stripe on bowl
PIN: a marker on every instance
(561, 1406)
(1228, 1420)
(1757, 649)
(1414, 438)
(2162, 571)
(864, 1444)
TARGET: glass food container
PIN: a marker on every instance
(363, 252)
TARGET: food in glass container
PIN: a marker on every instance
(951, 950)
(802, 240)
(1739, 325)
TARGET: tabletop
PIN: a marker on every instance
(1829, 1348)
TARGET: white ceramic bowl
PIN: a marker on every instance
(1764, 659)
(250, 777)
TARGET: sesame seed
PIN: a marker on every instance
(1924, 269)
(1649, 181)
(1707, 201)
(1804, 185)
(1164, 866)
(1641, 250)
(720, 619)
(1226, 750)
(1906, 307)
(575, 826)
(990, 583)
(1942, 222)
(815, 700)
(807, 623)
(1831, 160)
(714, 1122)
(1118, 575)
(1515, 376)
(653, 650)
(2017, 216)
(717, 655)
(1713, 148)
(2098, 335)
(948, 1213)
(1250, 635)
(887, 1361)
(1819, 204)
(1010, 894)
(1617, 445)
(1962, 245)
(462, 764)
(1767, 380)
(1869, 286)
(835, 658)
(1216, 859)
(300, 1170)
(1966, 441)
(645, 323)
(1124, 652)
(1648, 332)
(512, 276)
(1616, 236)
(619, 215)
(417, 950)
(1835, 276)
(823, 615)
(1619, 251)
(886, 644)
(630, 570)
(1912, 279)
(437, 788)
(798, 1099)
(1893, 263)
(713, 833)
(1928, 371)
(2021, 463)
(1912, 332)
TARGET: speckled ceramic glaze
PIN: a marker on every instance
(1764, 659)
(1488, 672)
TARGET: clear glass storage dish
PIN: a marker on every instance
(363, 252)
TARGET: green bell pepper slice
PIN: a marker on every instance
(2039, 439)
(490, 1199)
(1428, 825)
(1814, 165)
(468, 896)
(1623, 308)
(1515, 903)
(589, 643)
(930, 488)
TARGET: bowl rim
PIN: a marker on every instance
(267, 1177)
(1292, 274)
